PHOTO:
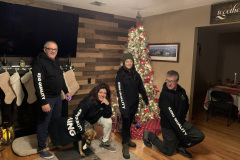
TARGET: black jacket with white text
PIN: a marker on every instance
(174, 106)
(48, 78)
(128, 93)
(91, 112)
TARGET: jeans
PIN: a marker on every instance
(171, 141)
(44, 119)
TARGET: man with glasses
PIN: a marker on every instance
(48, 82)
(178, 134)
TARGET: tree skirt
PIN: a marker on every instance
(137, 129)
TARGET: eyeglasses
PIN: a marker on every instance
(168, 81)
(51, 49)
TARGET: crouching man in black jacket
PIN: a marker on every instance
(177, 133)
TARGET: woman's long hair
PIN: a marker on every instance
(93, 95)
(130, 73)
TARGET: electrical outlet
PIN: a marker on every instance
(89, 80)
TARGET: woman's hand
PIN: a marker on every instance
(105, 101)
(68, 97)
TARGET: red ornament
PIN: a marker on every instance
(140, 38)
(140, 54)
(128, 41)
(144, 32)
(156, 100)
(146, 81)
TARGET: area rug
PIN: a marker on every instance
(93, 153)
(106, 155)
(72, 154)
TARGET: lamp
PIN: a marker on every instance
(1, 139)
(7, 134)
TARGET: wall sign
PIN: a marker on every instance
(225, 12)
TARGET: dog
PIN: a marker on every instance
(88, 136)
(65, 126)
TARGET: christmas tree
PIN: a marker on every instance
(138, 47)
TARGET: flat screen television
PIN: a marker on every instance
(25, 29)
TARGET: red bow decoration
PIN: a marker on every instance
(156, 100)
(128, 41)
(132, 29)
(140, 38)
(138, 25)
(155, 87)
(149, 96)
(144, 32)
(142, 69)
(146, 110)
(140, 54)
(151, 72)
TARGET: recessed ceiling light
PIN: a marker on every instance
(96, 3)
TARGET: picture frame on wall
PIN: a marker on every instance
(168, 52)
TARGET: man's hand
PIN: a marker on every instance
(105, 101)
(68, 97)
(46, 108)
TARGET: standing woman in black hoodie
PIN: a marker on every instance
(128, 84)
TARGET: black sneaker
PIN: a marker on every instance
(184, 152)
(132, 144)
(45, 154)
(145, 139)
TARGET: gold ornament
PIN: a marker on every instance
(22, 63)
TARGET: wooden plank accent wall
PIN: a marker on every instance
(100, 44)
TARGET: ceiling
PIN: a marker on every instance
(129, 8)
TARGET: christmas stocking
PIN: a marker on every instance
(17, 87)
(6, 87)
(71, 83)
(27, 81)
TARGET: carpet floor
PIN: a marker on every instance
(93, 153)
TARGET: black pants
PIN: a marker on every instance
(126, 126)
(44, 119)
(171, 140)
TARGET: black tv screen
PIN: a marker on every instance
(25, 29)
